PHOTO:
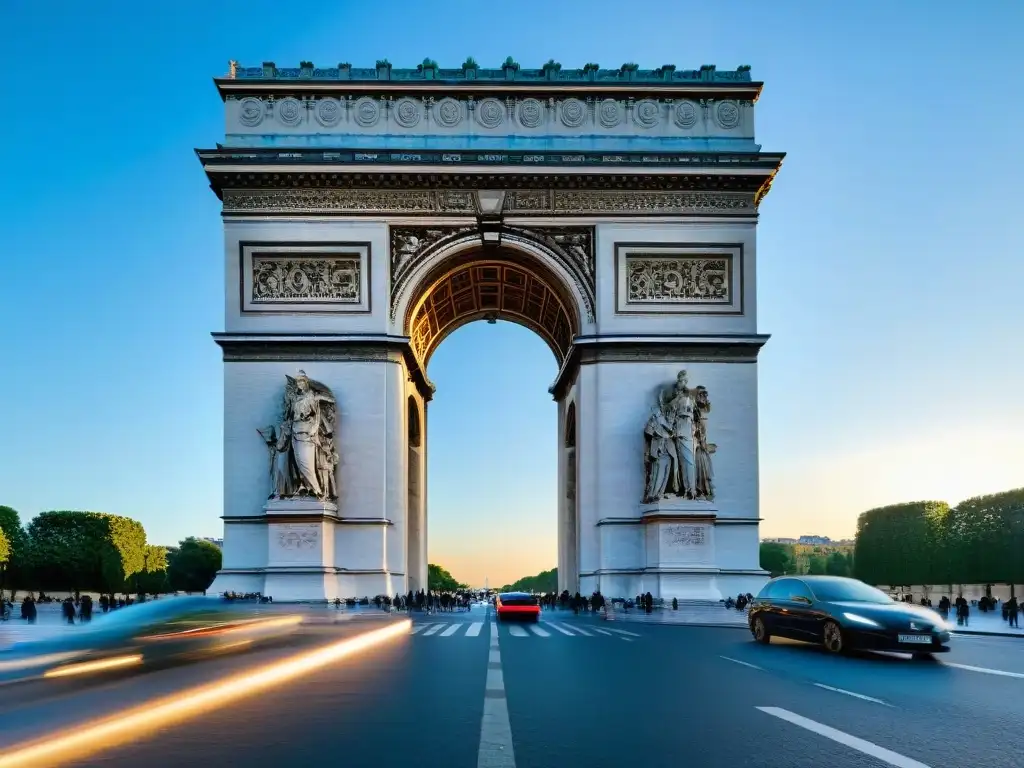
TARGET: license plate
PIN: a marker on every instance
(916, 639)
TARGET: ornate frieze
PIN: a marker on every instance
(307, 279)
(683, 278)
(418, 114)
(677, 280)
(321, 200)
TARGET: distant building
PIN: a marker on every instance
(219, 543)
(780, 541)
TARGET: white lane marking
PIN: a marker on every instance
(851, 693)
(417, 627)
(433, 629)
(474, 629)
(604, 632)
(560, 629)
(985, 670)
(539, 632)
(582, 631)
(866, 747)
(626, 639)
(451, 630)
(516, 631)
(624, 632)
(495, 750)
(744, 663)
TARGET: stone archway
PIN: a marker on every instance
(416, 502)
(518, 284)
(569, 535)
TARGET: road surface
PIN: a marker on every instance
(569, 691)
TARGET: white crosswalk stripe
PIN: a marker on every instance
(542, 630)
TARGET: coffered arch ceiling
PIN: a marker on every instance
(496, 284)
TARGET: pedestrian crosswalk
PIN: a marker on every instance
(543, 629)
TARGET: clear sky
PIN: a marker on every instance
(890, 254)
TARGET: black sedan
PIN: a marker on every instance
(156, 632)
(843, 614)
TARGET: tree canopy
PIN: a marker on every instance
(5, 548)
(74, 550)
(925, 542)
(545, 582)
(192, 566)
(777, 558)
(439, 580)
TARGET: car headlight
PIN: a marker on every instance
(862, 620)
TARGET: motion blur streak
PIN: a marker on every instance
(224, 629)
(94, 666)
(132, 724)
(36, 661)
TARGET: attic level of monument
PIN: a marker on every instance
(470, 77)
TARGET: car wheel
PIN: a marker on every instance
(536, 619)
(923, 656)
(832, 637)
(760, 631)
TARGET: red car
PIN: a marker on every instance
(517, 605)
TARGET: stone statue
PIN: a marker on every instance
(303, 454)
(677, 454)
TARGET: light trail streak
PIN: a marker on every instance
(29, 662)
(100, 665)
(132, 724)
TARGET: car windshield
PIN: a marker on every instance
(848, 591)
(154, 610)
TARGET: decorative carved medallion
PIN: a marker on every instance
(609, 114)
(531, 113)
(289, 111)
(367, 112)
(573, 113)
(448, 112)
(250, 112)
(685, 535)
(490, 113)
(328, 112)
(647, 113)
(407, 112)
(283, 279)
(727, 113)
(685, 114)
(298, 537)
(677, 280)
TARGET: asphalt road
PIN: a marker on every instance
(571, 691)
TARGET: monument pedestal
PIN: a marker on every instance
(300, 550)
(679, 535)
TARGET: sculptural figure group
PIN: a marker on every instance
(303, 454)
(677, 454)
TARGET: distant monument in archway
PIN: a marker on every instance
(369, 213)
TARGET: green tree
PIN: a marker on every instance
(5, 548)
(837, 564)
(439, 580)
(903, 544)
(816, 565)
(777, 558)
(72, 550)
(986, 539)
(193, 565)
(544, 582)
(153, 578)
(12, 569)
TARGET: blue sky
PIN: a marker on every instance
(890, 254)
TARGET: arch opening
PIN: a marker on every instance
(416, 533)
(495, 284)
(569, 535)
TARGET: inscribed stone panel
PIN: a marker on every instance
(679, 279)
(304, 277)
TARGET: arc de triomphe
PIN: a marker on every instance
(368, 213)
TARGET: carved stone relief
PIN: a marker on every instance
(288, 279)
(677, 454)
(298, 537)
(678, 279)
(679, 536)
(529, 113)
(562, 202)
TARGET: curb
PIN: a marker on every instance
(978, 633)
